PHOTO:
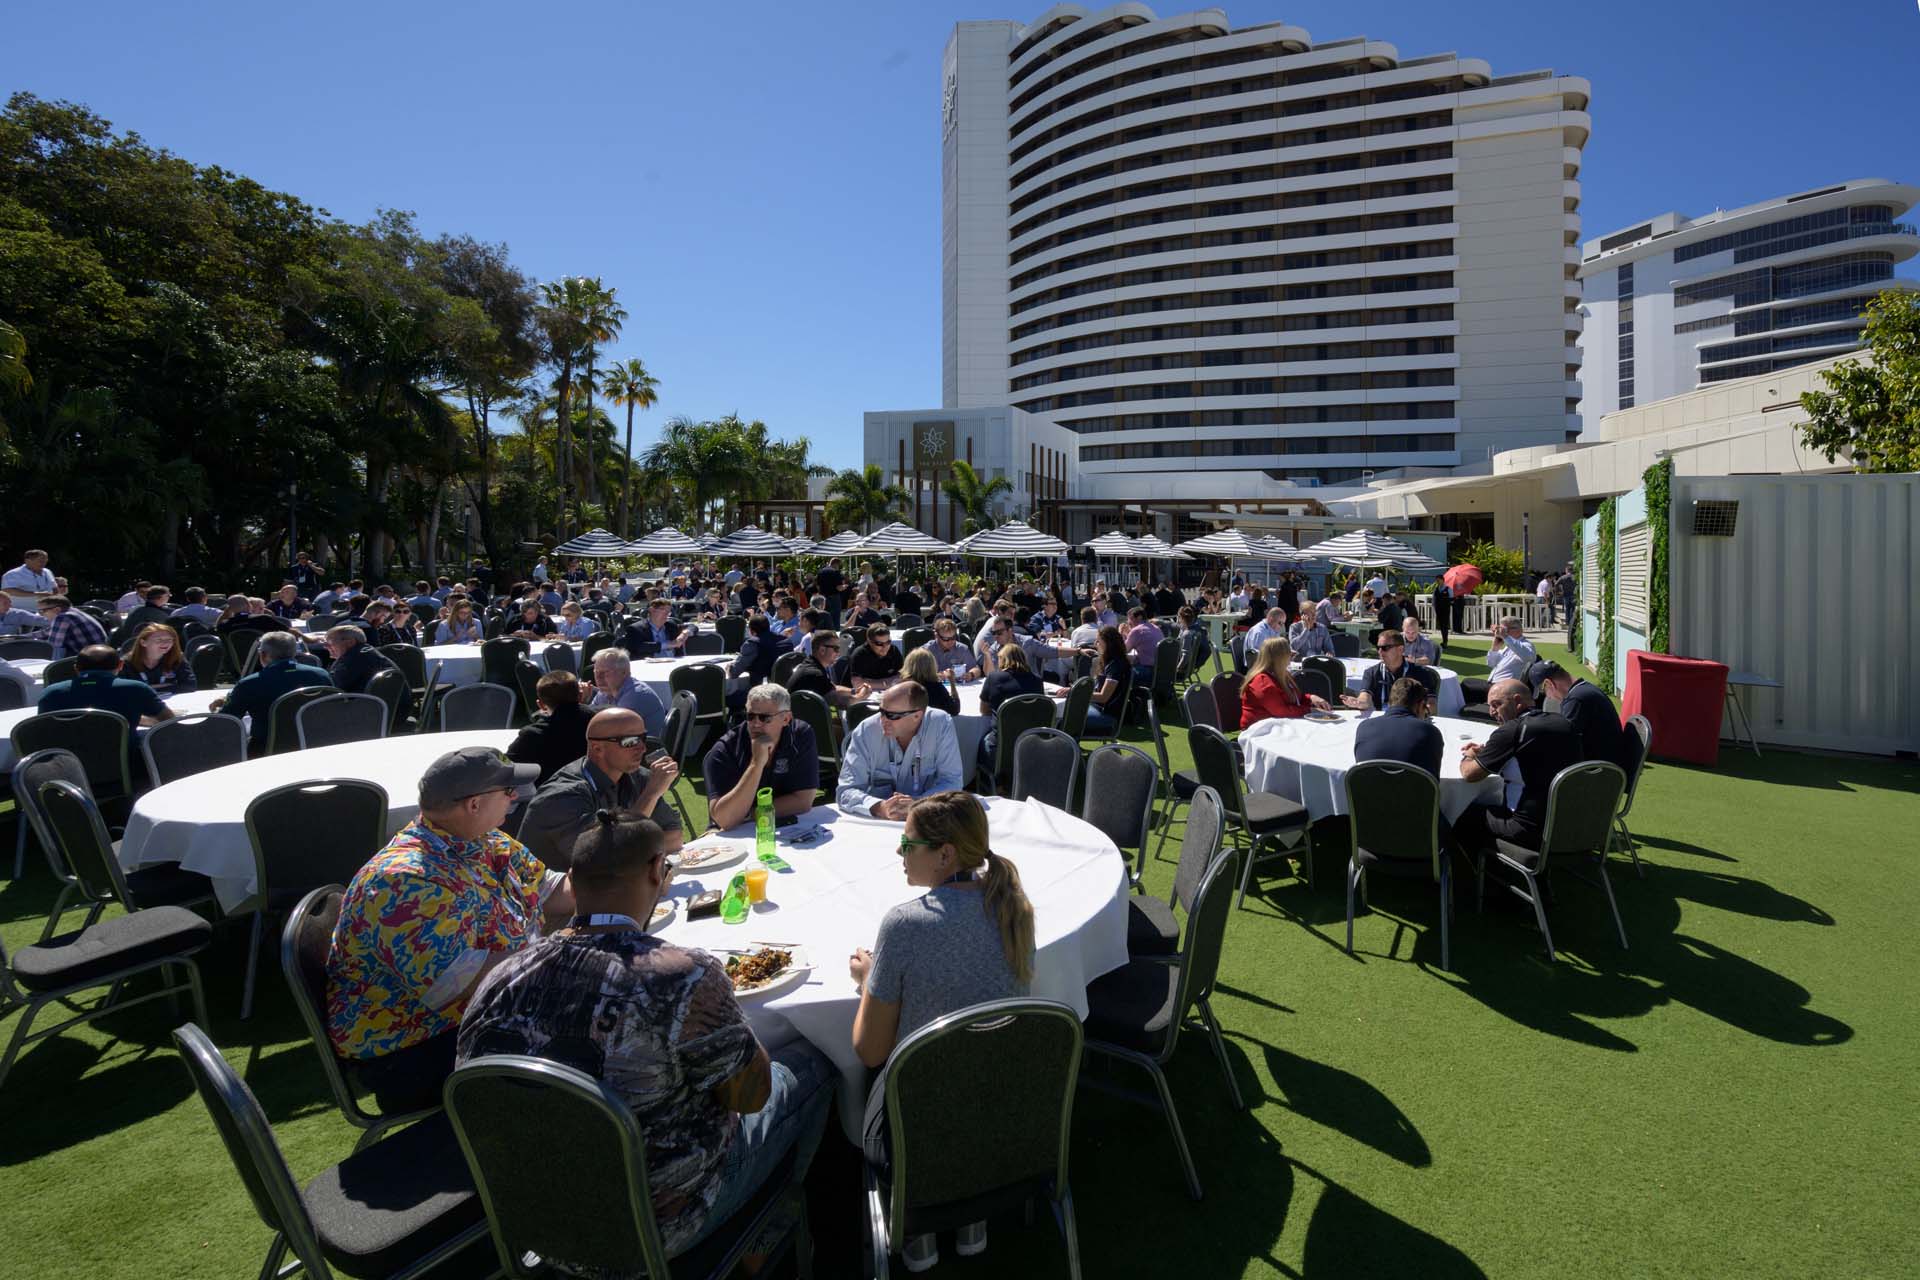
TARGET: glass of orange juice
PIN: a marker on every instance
(757, 884)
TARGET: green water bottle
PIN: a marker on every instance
(763, 822)
(735, 906)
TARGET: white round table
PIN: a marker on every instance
(460, 663)
(200, 822)
(1449, 703)
(846, 874)
(657, 673)
(34, 669)
(1307, 761)
(182, 704)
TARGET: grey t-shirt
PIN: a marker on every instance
(939, 953)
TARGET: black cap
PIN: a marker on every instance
(471, 771)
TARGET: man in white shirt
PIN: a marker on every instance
(1510, 653)
(907, 751)
(1544, 593)
(1274, 624)
(1377, 585)
(540, 573)
(1087, 634)
(133, 599)
(1237, 602)
(31, 579)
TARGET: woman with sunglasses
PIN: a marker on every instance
(967, 940)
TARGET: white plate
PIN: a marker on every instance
(663, 914)
(709, 853)
(795, 973)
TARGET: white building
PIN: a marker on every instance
(1674, 303)
(1235, 265)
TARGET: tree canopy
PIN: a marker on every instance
(1872, 409)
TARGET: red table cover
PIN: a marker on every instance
(1682, 698)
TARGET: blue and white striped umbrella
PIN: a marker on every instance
(664, 542)
(839, 544)
(902, 540)
(749, 540)
(595, 544)
(1364, 547)
(1012, 540)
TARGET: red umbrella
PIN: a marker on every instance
(1463, 578)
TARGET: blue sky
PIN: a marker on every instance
(761, 181)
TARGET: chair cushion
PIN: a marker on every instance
(1152, 929)
(1528, 858)
(1132, 1006)
(100, 951)
(1267, 812)
(391, 1203)
(1186, 783)
(1410, 868)
(167, 885)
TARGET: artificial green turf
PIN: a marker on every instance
(1734, 1095)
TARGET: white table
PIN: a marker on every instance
(200, 822)
(461, 662)
(657, 673)
(182, 704)
(1307, 761)
(1449, 703)
(850, 876)
(34, 669)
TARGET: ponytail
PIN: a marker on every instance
(1007, 903)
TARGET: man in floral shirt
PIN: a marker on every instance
(448, 898)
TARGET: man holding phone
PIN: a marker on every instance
(619, 772)
(769, 748)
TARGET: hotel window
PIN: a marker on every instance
(1623, 334)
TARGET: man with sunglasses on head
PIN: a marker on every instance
(614, 774)
(876, 664)
(426, 918)
(768, 748)
(891, 759)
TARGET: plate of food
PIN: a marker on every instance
(1323, 717)
(663, 912)
(709, 853)
(765, 970)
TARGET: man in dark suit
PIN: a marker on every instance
(1589, 709)
(1377, 689)
(1442, 610)
(355, 659)
(761, 649)
(558, 735)
(659, 632)
(1401, 732)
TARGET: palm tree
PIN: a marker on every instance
(974, 496)
(602, 319)
(628, 383)
(706, 460)
(563, 310)
(862, 497)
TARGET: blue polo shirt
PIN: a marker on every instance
(128, 699)
(795, 765)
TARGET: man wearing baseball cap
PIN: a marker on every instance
(449, 897)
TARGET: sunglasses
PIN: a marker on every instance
(909, 843)
(896, 715)
(761, 717)
(627, 740)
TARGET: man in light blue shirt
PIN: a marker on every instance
(614, 686)
(1510, 653)
(1274, 624)
(1309, 637)
(197, 608)
(892, 759)
(18, 622)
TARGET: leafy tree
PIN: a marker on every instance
(602, 319)
(1503, 568)
(975, 496)
(628, 383)
(862, 497)
(1872, 411)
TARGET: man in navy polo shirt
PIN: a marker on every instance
(767, 749)
(96, 683)
(278, 674)
(1402, 733)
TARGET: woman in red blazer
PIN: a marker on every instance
(1270, 692)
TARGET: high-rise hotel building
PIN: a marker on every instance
(1235, 263)
(1675, 302)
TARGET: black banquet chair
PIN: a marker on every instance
(17, 648)
(98, 738)
(390, 1211)
(1580, 811)
(86, 863)
(1046, 765)
(1135, 1013)
(395, 694)
(339, 718)
(1121, 784)
(1152, 927)
(1012, 720)
(1394, 816)
(559, 656)
(948, 1166)
(704, 644)
(304, 835)
(598, 1220)
(1259, 816)
(476, 706)
(282, 734)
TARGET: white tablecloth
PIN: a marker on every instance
(1307, 761)
(1449, 703)
(200, 822)
(34, 669)
(657, 673)
(182, 704)
(850, 876)
(460, 663)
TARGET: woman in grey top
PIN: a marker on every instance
(967, 940)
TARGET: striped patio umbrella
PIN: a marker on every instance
(1113, 543)
(800, 546)
(1278, 548)
(1148, 547)
(839, 544)
(1233, 544)
(1012, 540)
(664, 542)
(1361, 548)
(749, 540)
(899, 539)
(596, 544)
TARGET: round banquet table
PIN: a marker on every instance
(972, 723)
(182, 704)
(34, 669)
(460, 663)
(1449, 703)
(1306, 761)
(846, 874)
(657, 673)
(200, 822)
